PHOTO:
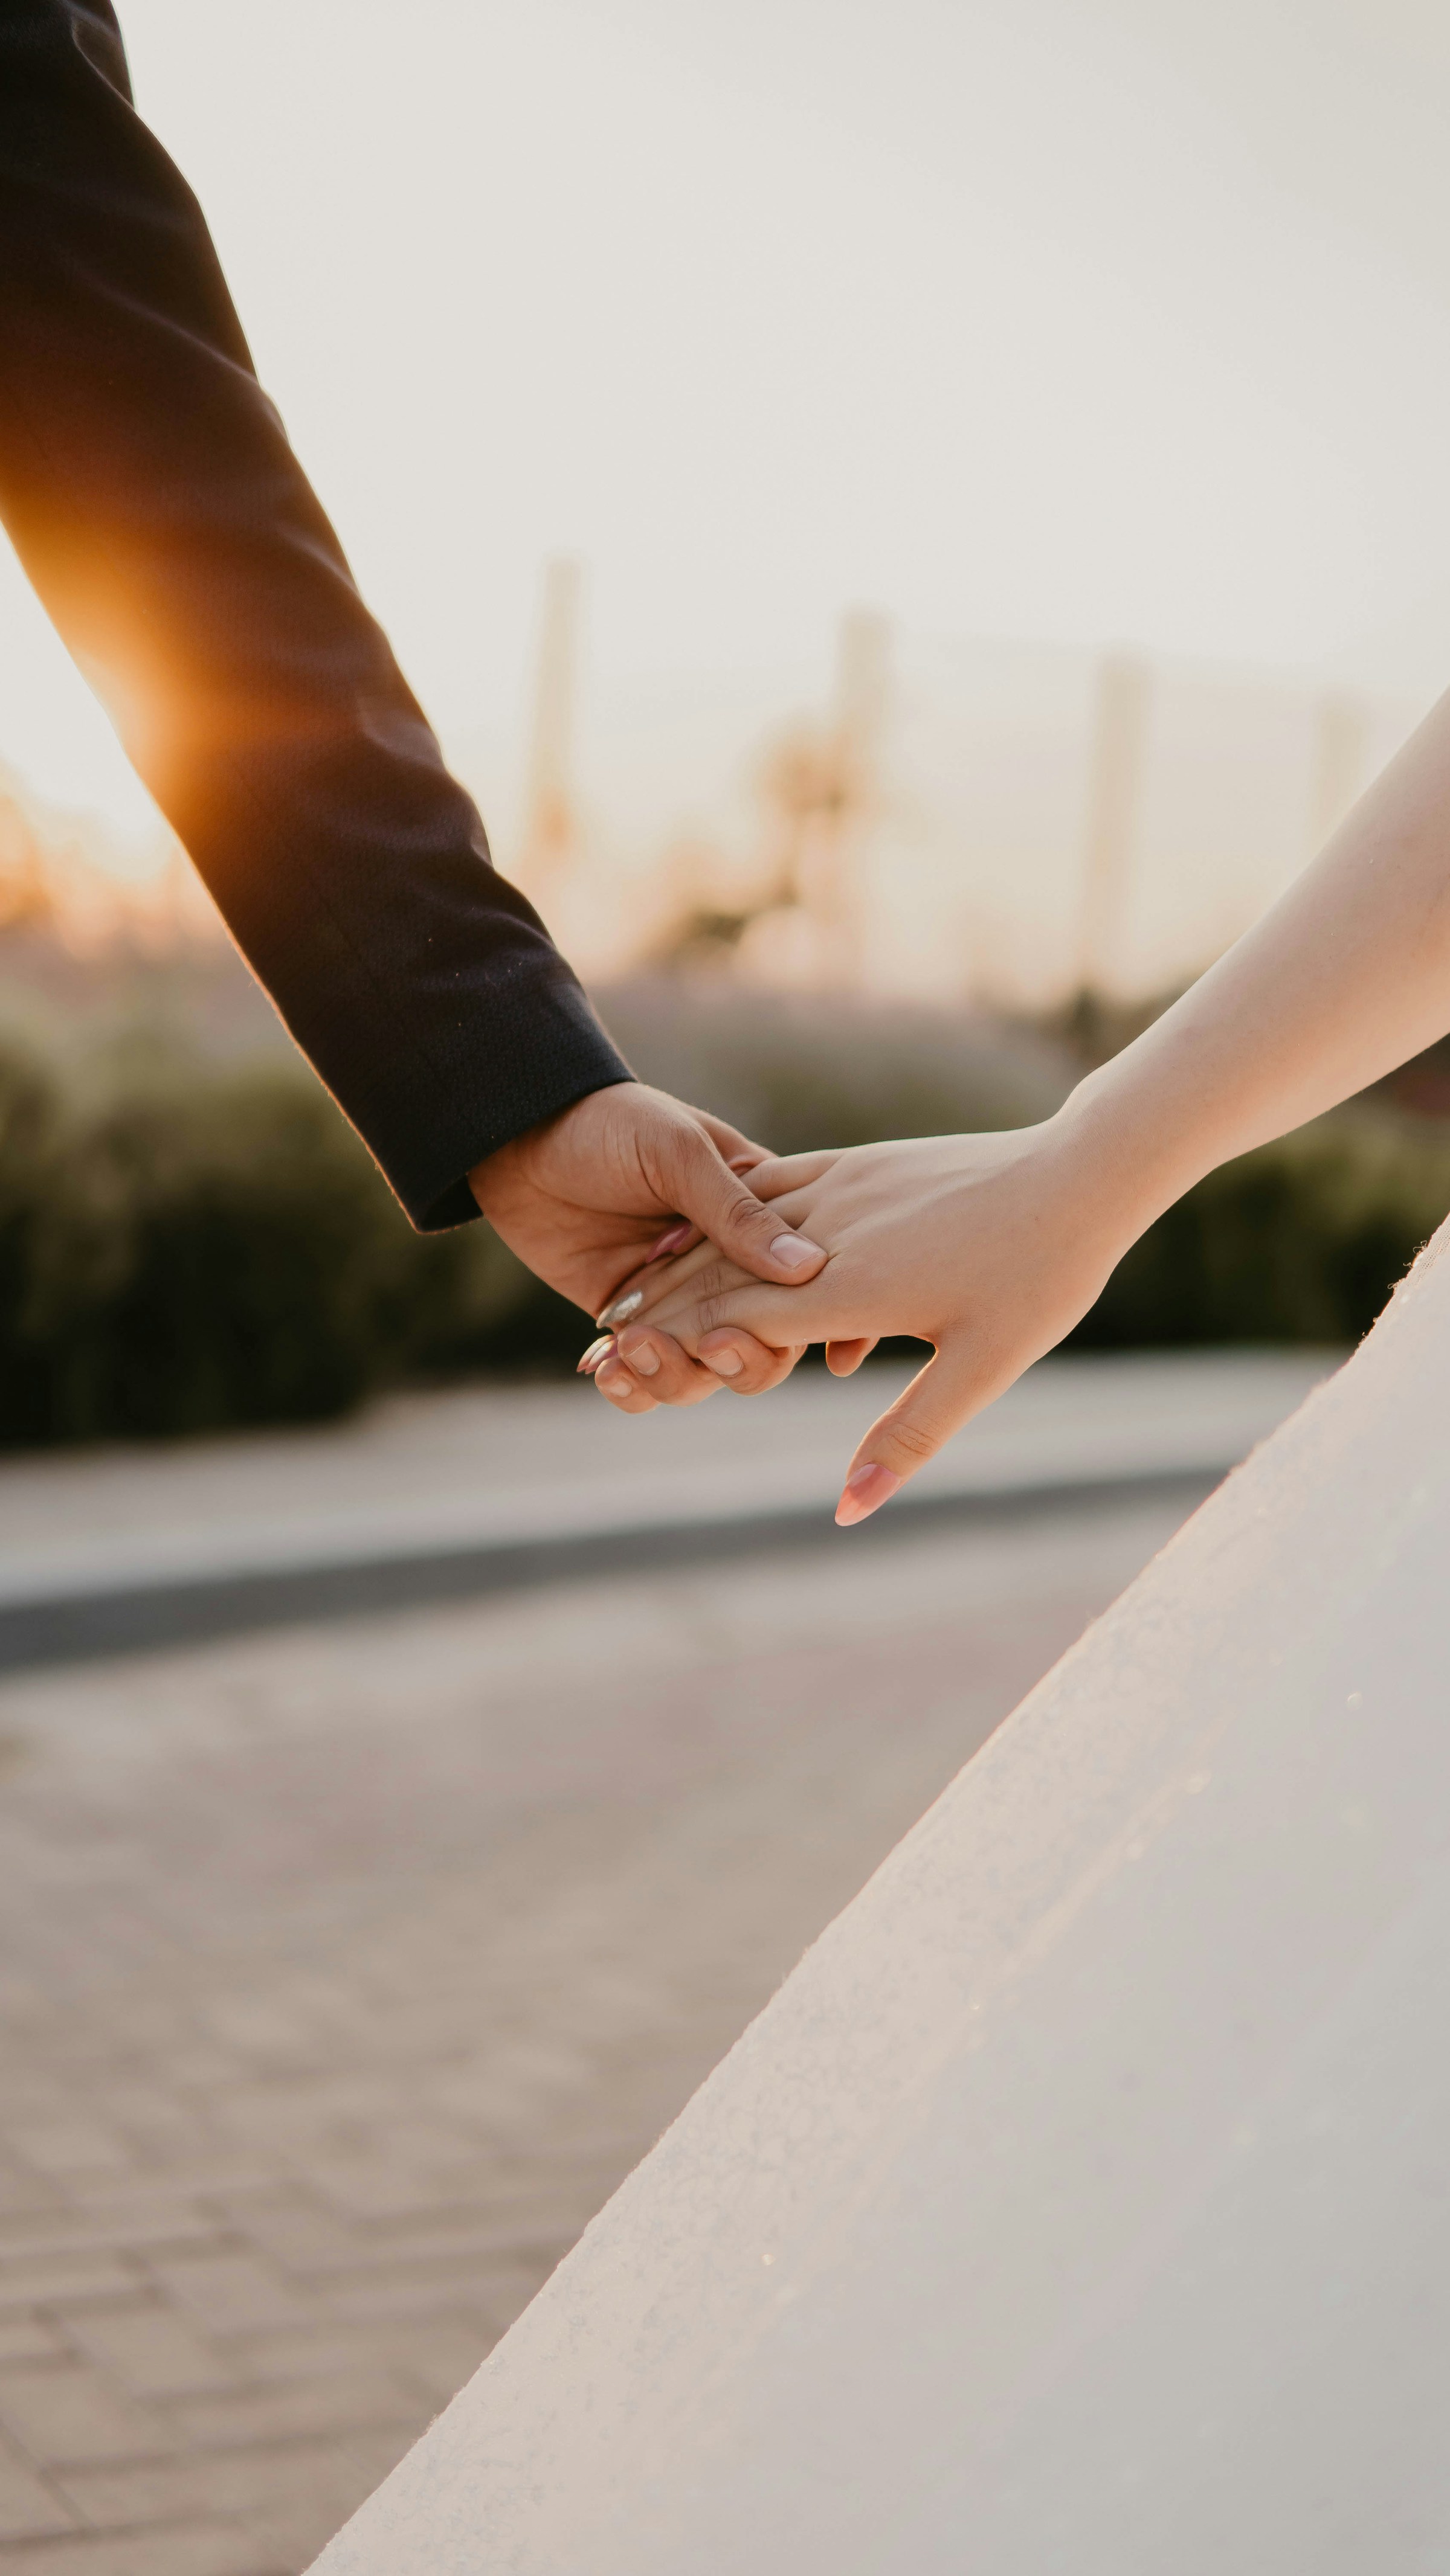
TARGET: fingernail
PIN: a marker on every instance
(613, 1378)
(621, 1310)
(865, 1493)
(645, 1361)
(792, 1251)
(724, 1363)
(674, 1239)
(595, 1353)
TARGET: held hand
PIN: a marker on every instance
(990, 1247)
(621, 1175)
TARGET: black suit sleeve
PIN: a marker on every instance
(151, 494)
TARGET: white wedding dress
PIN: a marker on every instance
(1082, 2203)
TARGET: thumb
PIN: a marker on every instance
(704, 1189)
(940, 1398)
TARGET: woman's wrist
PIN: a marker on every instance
(1124, 1158)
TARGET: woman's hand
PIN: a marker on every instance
(992, 1247)
(989, 1247)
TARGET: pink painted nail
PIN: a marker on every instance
(597, 1352)
(866, 1491)
(793, 1251)
(674, 1239)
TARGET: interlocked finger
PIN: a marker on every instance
(746, 1366)
(622, 1390)
(653, 1364)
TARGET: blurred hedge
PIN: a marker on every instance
(1299, 1242)
(214, 1251)
(187, 1249)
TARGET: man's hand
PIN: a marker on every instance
(627, 1173)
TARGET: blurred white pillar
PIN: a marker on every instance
(863, 685)
(1114, 813)
(1080, 2202)
(551, 825)
(835, 874)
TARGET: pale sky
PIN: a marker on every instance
(1077, 320)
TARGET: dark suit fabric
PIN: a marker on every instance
(150, 491)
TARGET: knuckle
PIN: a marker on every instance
(913, 1440)
(713, 1277)
(714, 1310)
(763, 1367)
(754, 1218)
(754, 1376)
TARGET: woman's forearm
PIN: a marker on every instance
(993, 1247)
(1346, 976)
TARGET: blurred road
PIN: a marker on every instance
(347, 1970)
(447, 1496)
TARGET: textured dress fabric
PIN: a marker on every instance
(149, 489)
(1078, 2205)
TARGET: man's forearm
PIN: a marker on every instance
(1343, 979)
(153, 497)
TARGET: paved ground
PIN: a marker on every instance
(347, 1970)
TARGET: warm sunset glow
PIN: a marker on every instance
(1075, 323)
(57, 735)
